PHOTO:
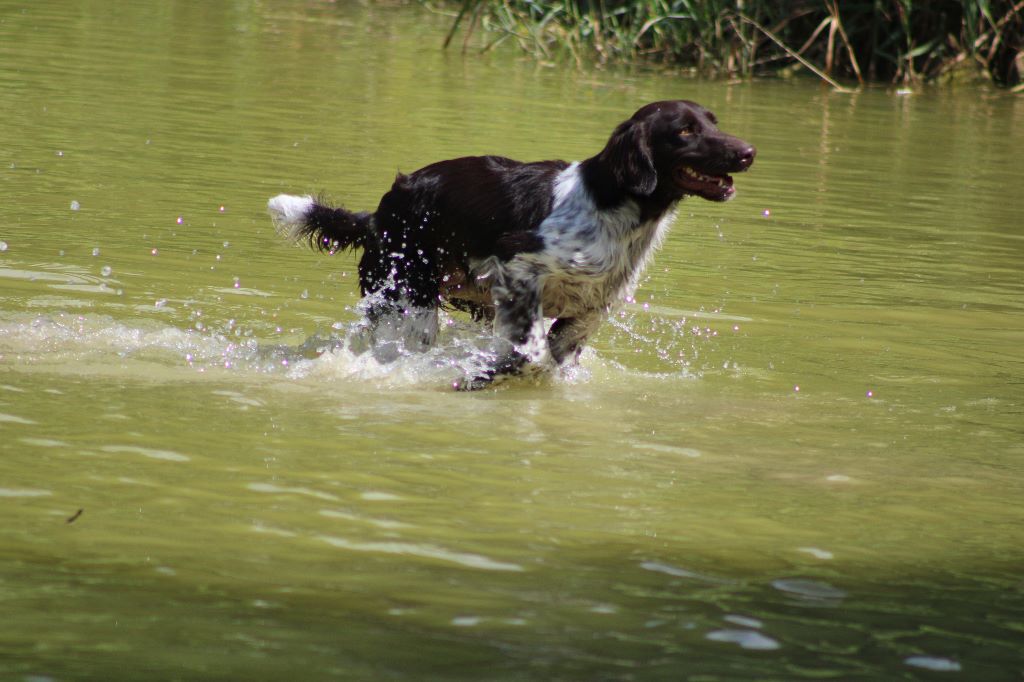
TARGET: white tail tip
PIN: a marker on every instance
(289, 213)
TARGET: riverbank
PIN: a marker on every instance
(896, 41)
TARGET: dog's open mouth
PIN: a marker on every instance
(710, 187)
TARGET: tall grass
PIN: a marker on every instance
(902, 41)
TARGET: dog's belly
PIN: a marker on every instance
(561, 297)
(575, 296)
(564, 295)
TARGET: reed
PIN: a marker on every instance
(901, 41)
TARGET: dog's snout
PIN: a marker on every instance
(745, 156)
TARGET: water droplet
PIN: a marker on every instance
(60, 153)
(106, 270)
(227, 244)
(96, 251)
(154, 252)
(160, 303)
(766, 213)
(304, 294)
(3, 245)
(796, 389)
(222, 209)
(75, 206)
(180, 220)
(870, 394)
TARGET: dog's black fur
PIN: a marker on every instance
(503, 239)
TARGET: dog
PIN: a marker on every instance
(513, 243)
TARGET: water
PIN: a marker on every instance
(798, 454)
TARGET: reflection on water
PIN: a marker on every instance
(797, 454)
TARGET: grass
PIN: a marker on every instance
(900, 41)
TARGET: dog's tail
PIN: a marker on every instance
(306, 219)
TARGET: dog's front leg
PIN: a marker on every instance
(518, 326)
(568, 334)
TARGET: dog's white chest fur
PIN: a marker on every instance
(592, 258)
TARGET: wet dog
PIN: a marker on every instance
(514, 243)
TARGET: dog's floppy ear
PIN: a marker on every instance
(628, 157)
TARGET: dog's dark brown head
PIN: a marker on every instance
(672, 149)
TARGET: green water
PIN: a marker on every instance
(799, 454)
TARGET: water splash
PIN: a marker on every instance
(347, 351)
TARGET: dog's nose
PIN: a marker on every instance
(746, 156)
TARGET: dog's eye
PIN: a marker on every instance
(686, 131)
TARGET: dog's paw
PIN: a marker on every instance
(510, 365)
(472, 383)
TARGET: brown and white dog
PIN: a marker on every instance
(518, 242)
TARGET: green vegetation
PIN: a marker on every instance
(901, 41)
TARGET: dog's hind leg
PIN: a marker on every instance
(397, 327)
(400, 305)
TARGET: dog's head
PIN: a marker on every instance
(675, 148)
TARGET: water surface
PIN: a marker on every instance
(798, 454)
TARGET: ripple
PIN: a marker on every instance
(377, 496)
(23, 492)
(14, 419)
(424, 551)
(165, 455)
(934, 663)
(44, 442)
(744, 621)
(308, 492)
(812, 590)
(816, 553)
(747, 639)
(380, 523)
(677, 572)
(669, 449)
